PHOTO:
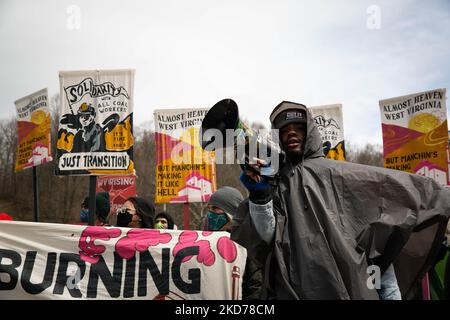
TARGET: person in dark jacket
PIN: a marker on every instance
(222, 206)
(319, 224)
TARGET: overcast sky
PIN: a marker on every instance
(194, 53)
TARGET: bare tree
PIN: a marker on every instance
(60, 197)
(369, 154)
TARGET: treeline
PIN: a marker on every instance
(60, 197)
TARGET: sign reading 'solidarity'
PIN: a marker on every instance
(95, 134)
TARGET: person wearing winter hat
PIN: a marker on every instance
(102, 207)
(222, 205)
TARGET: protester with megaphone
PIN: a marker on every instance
(328, 229)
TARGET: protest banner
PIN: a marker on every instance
(184, 172)
(95, 134)
(120, 188)
(55, 261)
(33, 130)
(415, 134)
(330, 122)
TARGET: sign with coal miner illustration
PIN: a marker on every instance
(33, 130)
(330, 122)
(95, 135)
(415, 134)
(184, 171)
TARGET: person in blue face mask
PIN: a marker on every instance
(102, 207)
(84, 211)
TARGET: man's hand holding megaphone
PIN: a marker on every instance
(246, 142)
(257, 184)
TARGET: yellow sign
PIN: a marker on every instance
(184, 172)
(415, 134)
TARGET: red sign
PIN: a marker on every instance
(120, 188)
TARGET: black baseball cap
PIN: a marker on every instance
(288, 112)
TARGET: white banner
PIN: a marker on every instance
(96, 119)
(330, 122)
(55, 261)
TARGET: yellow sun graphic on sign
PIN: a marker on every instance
(38, 117)
(424, 122)
(191, 136)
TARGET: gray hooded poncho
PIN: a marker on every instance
(334, 219)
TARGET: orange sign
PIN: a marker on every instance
(33, 130)
(184, 172)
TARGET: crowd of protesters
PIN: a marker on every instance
(313, 229)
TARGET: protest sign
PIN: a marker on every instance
(54, 261)
(120, 188)
(184, 172)
(330, 123)
(95, 134)
(33, 130)
(415, 134)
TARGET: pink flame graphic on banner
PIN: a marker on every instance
(189, 239)
(227, 249)
(140, 240)
(90, 252)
